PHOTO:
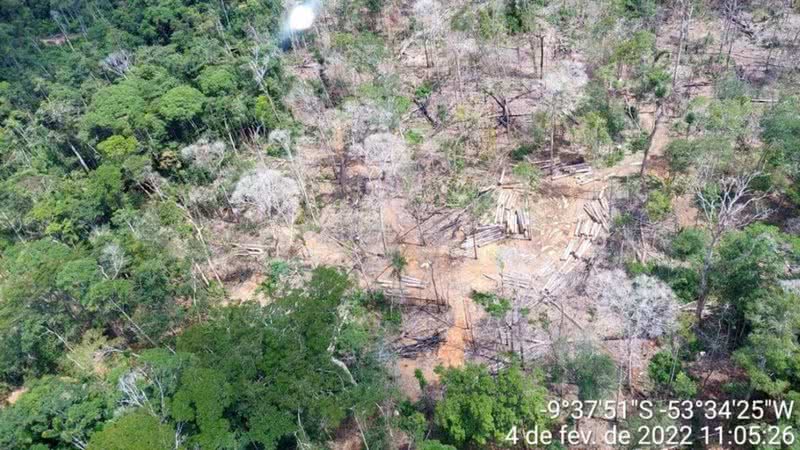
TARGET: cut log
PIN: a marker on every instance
(568, 250)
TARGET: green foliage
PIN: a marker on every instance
(201, 399)
(528, 173)
(747, 266)
(216, 80)
(684, 386)
(365, 50)
(434, 445)
(663, 367)
(680, 155)
(460, 193)
(523, 150)
(378, 301)
(730, 86)
(771, 351)
(657, 81)
(181, 104)
(117, 148)
(413, 137)
(490, 23)
(479, 409)
(520, 16)
(781, 133)
(631, 51)
(420, 379)
(689, 243)
(399, 263)
(639, 142)
(781, 127)
(594, 373)
(116, 109)
(668, 375)
(254, 372)
(606, 112)
(278, 272)
(137, 430)
(593, 132)
(684, 281)
(614, 157)
(495, 305)
(729, 118)
(53, 413)
(658, 205)
(640, 9)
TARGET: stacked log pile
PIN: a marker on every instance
(484, 235)
(409, 292)
(512, 213)
(585, 232)
(583, 171)
(420, 345)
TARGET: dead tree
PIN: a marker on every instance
(686, 8)
(659, 115)
(733, 204)
(645, 306)
(430, 15)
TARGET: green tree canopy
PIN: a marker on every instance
(137, 430)
(479, 409)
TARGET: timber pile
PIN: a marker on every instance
(249, 249)
(409, 299)
(420, 345)
(405, 282)
(561, 170)
(485, 235)
(514, 280)
(512, 213)
(585, 232)
(598, 211)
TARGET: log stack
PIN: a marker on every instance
(485, 235)
(583, 170)
(512, 213)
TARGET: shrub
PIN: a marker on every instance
(528, 173)
(495, 305)
(680, 155)
(181, 104)
(663, 367)
(658, 205)
(688, 243)
(118, 147)
(594, 373)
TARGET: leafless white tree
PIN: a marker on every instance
(366, 119)
(431, 16)
(265, 193)
(204, 154)
(112, 260)
(133, 394)
(645, 306)
(385, 152)
(728, 204)
(118, 62)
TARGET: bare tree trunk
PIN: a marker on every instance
(541, 56)
(704, 287)
(80, 158)
(686, 16)
(643, 170)
(383, 228)
(552, 140)
(419, 229)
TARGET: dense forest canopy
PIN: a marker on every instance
(409, 225)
